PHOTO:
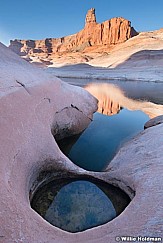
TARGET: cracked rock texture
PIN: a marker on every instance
(30, 110)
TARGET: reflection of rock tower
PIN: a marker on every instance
(108, 96)
(90, 17)
(111, 99)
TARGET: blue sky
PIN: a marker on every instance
(38, 19)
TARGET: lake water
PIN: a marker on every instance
(98, 144)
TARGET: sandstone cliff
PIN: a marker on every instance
(106, 34)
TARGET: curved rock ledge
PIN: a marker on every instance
(154, 122)
(29, 113)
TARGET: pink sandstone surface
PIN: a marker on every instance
(32, 103)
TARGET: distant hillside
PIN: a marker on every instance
(95, 39)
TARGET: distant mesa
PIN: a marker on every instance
(109, 33)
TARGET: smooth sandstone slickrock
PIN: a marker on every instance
(143, 54)
(110, 32)
(28, 111)
(31, 107)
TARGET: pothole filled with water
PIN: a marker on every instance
(98, 144)
(77, 205)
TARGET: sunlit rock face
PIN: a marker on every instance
(111, 99)
(111, 32)
(90, 17)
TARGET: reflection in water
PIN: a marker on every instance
(99, 143)
(111, 98)
(75, 206)
(79, 206)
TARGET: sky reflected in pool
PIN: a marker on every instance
(98, 144)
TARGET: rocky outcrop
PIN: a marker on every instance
(90, 17)
(32, 104)
(110, 32)
(154, 122)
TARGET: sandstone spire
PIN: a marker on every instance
(90, 17)
(110, 32)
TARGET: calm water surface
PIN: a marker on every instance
(134, 89)
(98, 144)
(78, 205)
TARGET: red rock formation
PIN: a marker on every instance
(90, 17)
(110, 32)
